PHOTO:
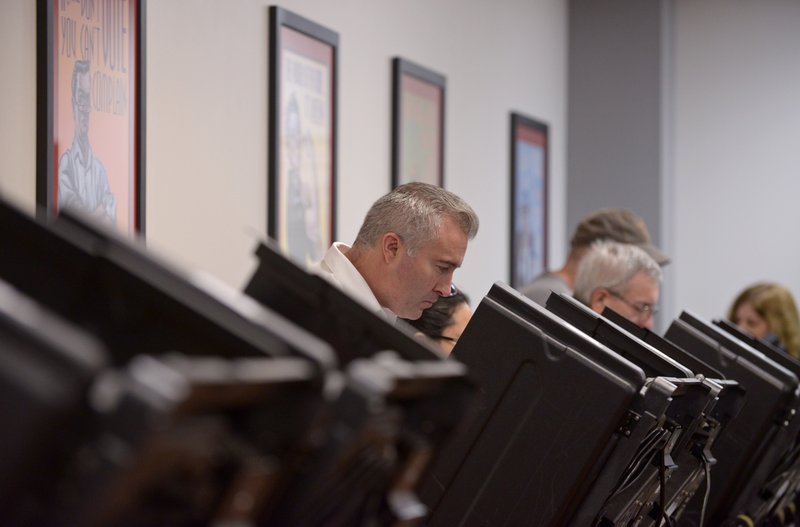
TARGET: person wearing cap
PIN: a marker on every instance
(411, 242)
(620, 225)
(622, 277)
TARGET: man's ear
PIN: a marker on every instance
(597, 300)
(391, 245)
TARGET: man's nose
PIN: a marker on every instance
(443, 286)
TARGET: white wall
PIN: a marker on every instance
(18, 102)
(736, 150)
(207, 115)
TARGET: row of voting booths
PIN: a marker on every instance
(135, 393)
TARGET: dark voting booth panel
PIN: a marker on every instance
(653, 362)
(131, 301)
(348, 326)
(181, 440)
(563, 428)
(757, 440)
(781, 489)
(208, 406)
(730, 397)
(163, 440)
(426, 395)
(403, 412)
(46, 367)
(692, 421)
(698, 366)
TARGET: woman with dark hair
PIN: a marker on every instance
(445, 320)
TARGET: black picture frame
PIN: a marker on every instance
(303, 114)
(95, 52)
(529, 182)
(418, 123)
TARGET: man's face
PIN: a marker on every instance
(82, 103)
(636, 303)
(418, 281)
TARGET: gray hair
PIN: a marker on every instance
(414, 212)
(612, 265)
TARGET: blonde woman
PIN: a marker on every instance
(767, 310)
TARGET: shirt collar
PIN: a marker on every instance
(352, 282)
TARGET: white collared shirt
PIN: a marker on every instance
(340, 271)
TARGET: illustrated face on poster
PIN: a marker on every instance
(529, 203)
(94, 109)
(304, 204)
(421, 131)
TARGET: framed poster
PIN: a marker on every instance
(418, 96)
(302, 135)
(529, 174)
(90, 149)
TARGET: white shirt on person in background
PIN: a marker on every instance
(337, 269)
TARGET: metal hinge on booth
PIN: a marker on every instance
(629, 422)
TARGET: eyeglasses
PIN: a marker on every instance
(449, 339)
(645, 310)
(453, 291)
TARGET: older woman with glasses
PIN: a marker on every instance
(622, 277)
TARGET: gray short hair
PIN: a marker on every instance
(612, 265)
(414, 211)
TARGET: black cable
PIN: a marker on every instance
(654, 444)
(662, 491)
(663, 517)
(707, 467)
(640, 459)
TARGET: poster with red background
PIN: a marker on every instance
(95, 107)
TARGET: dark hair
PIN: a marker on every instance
(436, 318)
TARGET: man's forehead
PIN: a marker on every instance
(448, 250)
(643, 284)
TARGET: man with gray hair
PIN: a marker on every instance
(620, 276)
(619, 225)
(404, 256)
